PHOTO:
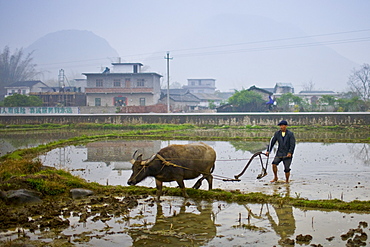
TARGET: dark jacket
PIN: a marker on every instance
(286, 144)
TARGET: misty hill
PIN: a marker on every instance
(241, 51)
(75, 51)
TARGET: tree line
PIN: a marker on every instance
(357, 99)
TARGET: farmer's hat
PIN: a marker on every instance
(283, 122)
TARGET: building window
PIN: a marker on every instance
(142, 101)
(140, 83)
(117, 82)
(97, 101)
(99, 82)
(128, 83)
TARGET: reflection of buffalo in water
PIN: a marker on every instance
(181, 229)
(176, 163)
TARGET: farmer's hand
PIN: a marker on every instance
(267, 154)
(289, 155)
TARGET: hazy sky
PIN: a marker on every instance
(143, 30)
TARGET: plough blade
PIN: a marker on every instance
(263, 174)
(231, 180)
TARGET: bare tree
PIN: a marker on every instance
(15, 67)
(359, 82)
(309, 86)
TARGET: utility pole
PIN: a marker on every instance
(168, 58)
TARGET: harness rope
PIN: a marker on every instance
(167, 163)
(215, 176)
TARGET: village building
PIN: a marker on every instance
(181, 100)
(265, 93)
(25, 87)
(207, 98)
(125, 85)
(312, 97)
(283, 88)
(207, 86)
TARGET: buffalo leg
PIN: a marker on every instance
(180, 182)
(159, 188)
(210, 181)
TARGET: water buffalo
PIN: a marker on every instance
(176, 163)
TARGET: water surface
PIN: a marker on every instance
(319, 170)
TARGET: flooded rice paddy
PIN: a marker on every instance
(319, 171)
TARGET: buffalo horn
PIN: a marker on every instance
(146, 162)
(133, 156)
(132, 161)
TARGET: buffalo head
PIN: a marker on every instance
(139, 168)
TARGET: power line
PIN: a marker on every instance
(254, 42)
(241, 50)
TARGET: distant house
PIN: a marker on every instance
(181, 100)
(206, 98)
(207, 86)
(224, 95)
(313, 96)
(125, 85)
(25, 87)
(283, 88)
(266, 95)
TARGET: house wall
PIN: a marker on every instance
(24, 89)
(201, 86)
(265, 96)
(131, 90)
(18, 90)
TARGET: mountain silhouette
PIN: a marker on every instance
(75, 51)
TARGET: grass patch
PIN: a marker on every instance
(29, 174)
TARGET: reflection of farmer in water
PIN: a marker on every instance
(285, 225)
(181, 229)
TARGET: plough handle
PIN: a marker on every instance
(249, 162)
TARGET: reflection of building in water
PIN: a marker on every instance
(65, 156)
(119, 153)
(181, 229)
(252, 147)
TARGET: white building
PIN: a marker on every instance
(125, 85)
(25, 87)
(207, 86)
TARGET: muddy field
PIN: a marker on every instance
(319, 171)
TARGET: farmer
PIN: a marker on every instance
(285, 151)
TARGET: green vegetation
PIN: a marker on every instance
(349, 102)
(15, 66)
(16, 100)
(246, 100)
